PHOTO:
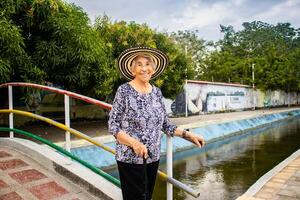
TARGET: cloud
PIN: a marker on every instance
(286, 11)
(199, 15)
(203, 15)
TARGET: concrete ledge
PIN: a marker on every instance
(72, 170)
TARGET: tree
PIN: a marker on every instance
(119, 36)
(195, 49)
(271, 48)
(51, 40)
(15, 63)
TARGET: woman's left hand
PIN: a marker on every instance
(196, 139)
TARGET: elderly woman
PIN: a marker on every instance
(137, 119)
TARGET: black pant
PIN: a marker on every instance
(132, 177)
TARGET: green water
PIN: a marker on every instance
(226, 170)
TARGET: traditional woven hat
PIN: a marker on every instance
(126, 57)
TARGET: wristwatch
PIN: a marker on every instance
(184, 133)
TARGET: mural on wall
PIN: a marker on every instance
(203, 97)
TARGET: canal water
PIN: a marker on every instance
(225, 169)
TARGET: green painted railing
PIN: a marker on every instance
(61, 150)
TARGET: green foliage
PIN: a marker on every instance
(53, 41)
(65, 46)
(176, 70)
(49, 40)
(194, 48)
(119, 36)
(11, 51)
(274, 50)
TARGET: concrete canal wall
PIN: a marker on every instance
(211, 133)
(206, 97)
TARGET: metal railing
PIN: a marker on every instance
(165, 177)
(67, 153)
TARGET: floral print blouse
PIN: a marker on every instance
(143, 117)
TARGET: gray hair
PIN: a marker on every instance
(142, 55)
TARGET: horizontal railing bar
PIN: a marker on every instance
(59, 125)
(60, 91)
(61, 150)
(162, 175)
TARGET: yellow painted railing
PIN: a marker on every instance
(161, 174)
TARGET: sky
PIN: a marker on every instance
(202, 15)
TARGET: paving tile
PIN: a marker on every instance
(282, 197)
(274, 184)
(25, 176)
(296, 162)
(248, 198)
(289, 167)
(11, 196)
(264, 195)
(278, 180)
(283, 175)
(4, 154)
(268, 190)
(48, 191)
(11, 164)
(3, 184)
(294, 183)
(290, 170)
(295, 178)
(289, 193)
(297, 174)
(294, 165)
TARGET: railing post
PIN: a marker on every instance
(10, 107)
(67, 122)
(253, 86)
(186, 99)
(169, 167)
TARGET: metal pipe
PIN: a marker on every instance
(186, 99)
(10, 107)
(59, 125)
(161, 174)
(67, 122)
(169, 167)
(75, 132)
(180, 185)
(186, 95)
(60, 91)
(253, 85)
(91, 167)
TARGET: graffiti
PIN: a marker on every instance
(204, 97)
(237, 93)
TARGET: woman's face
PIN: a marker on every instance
(142, 69)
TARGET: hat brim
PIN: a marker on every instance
(126, 57)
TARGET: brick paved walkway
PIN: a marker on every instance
(23, 178)
(284, 185)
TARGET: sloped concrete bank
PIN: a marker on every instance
(211, 132)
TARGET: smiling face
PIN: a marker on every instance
(142, 68)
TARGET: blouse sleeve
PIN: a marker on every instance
(168, 127)
(116, 114)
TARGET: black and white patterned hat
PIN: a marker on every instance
(126, 57)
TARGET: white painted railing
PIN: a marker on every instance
(67, 95)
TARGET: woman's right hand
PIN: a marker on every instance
(139, 148)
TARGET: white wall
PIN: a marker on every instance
(211, 97)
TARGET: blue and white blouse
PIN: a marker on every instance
(143, 117)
